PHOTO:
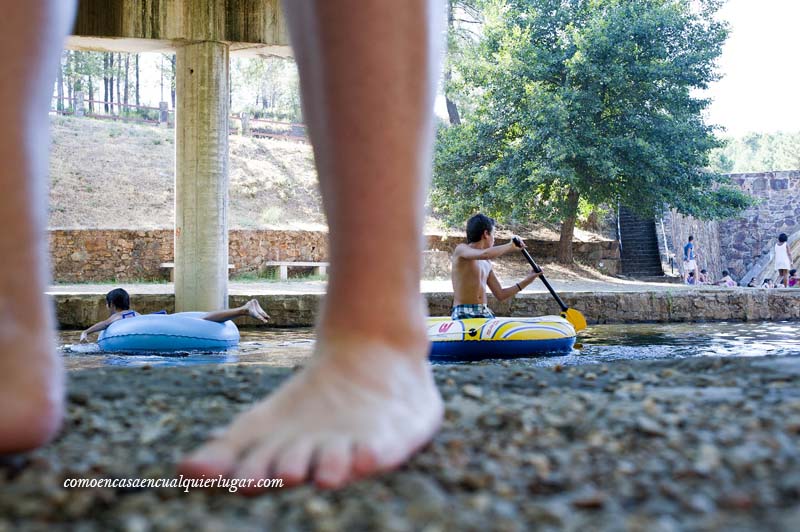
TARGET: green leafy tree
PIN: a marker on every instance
(758, 152)
(589, 100)
(464, 19)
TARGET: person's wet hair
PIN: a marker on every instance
(793, 271)
(691, 238)
(119, 298)
(725, 272)
(782, 237)
(477, 225)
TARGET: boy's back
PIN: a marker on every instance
(469, 278)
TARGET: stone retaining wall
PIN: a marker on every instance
(736, 304)
(674, 229)
(755, 233)
(737, 244)
(93, 255)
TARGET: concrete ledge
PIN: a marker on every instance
(300, 310)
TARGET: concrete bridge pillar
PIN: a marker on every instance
(201, 176)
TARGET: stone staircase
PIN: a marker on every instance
(640, 255)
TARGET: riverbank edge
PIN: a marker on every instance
(77, 310)
(702, 443)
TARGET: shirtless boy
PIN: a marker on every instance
(118, 302)
(472, 272)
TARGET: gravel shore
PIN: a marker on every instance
(691, 444)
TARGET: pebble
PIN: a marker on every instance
(589, 500)
(470, 390)
(649, 426)
(522, 449)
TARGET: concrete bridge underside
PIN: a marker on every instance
(203, 34)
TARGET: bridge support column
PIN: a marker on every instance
(201, 177)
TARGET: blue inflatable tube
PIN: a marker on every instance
(184, 331)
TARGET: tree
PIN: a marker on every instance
(586, 101)
(758, 152)
(463, 17)
(266, 87)
(136, 67)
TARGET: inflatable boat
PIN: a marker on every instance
(163, 333)
(479, 338)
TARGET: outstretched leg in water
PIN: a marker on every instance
(251, 308)
(368, 400)
(31, 376)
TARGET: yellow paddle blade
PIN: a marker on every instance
(576, 319)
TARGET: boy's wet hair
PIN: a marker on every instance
(725, 272)
(782, 237)
(477, 225)
(119, 298)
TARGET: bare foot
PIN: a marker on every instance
(31, 387)
(254, 310)
(359, 408)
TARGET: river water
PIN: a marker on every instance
(598, 343)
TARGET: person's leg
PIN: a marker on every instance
(368, 399)
(31, 389)
(251, 308)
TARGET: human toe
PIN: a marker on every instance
(333, 467)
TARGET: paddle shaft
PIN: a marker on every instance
(537, 269)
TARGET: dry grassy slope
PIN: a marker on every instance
(114, 175)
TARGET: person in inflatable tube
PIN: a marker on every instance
(472, 272)
(118, 302)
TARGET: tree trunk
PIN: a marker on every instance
(91, 95)
(69, 81)
(111, 82)
(173, 60)
(60, 86)
(119, 79)
(568, 227)
(105, 82)
(452, 109)
(137, 80)
(127, 83)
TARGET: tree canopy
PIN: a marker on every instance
(758, 152)
(585, 100)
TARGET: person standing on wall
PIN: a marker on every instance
(689, 260)
(783, 259)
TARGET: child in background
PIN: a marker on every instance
(726, 280)
(794, 281)
(118, 302)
